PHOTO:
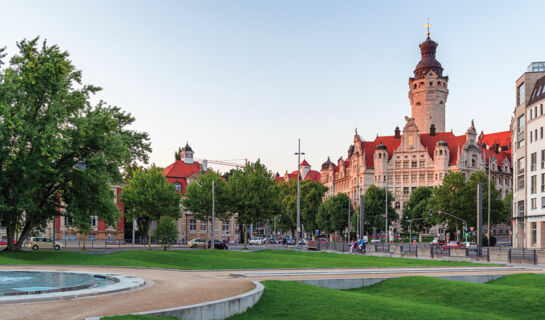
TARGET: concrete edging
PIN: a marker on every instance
(354, 283)
(211, 310)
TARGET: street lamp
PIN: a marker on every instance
(298, 154)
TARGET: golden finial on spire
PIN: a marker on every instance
(428, 25)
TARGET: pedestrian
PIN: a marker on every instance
(352, 243)
(362, 244)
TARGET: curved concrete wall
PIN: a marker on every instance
(212, 310)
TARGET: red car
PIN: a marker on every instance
(453, 244)
(4, 242)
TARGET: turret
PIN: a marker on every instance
(428, 90)
(381, 163)
(187, 153)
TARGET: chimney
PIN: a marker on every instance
(397, 134)
(432, 130)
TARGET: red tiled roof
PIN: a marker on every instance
(180, 169)
(502, 138)
(305, 164)
(454, 142)
(369, 147)
(311, 175)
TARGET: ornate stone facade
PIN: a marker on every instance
(419, 156)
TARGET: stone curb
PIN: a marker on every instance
(211, 310)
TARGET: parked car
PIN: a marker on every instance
(44, 243)
(453, 244)
(289, 241)
(438, 242)
(470, 245)
(197, 243)
(256, 241)
(375, 241)
(4, 242)
(218, 245)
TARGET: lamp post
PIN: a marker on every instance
(212, 245)
(488, 231)
(298, 154)
(386, 231)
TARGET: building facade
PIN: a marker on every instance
(529, 159)
(423, 153)
(305, 173)
(182, 173)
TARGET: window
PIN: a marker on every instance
(520, 94)
(398, 164)
(533, 160)
(397, 205)
(203, 225)
(543, 159)
(520, 165)
(542, 202)
(406, 164)
(225, 226)
(422, 164)
(530, 136)
(94, 222)
(541, 133)
(533, 184)
(520, 207)
(405, 190)
(405, 177)
(541, 107)
(520, 132)
(192, 225)
(413, 164)
(178, 186)
(430, 176)
(422, 176)
(533, 226)
(543, 182)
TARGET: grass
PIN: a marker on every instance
(512, 297)
(215, 260)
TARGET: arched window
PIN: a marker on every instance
(439, 83)
(418, 103)
(397, 205)
(440, 152)
(421, 84)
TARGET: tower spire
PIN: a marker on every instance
(428, 25)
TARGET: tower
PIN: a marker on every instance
(428, 90)
(187, 153)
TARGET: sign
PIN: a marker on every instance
(472, 229)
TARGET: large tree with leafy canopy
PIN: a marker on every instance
(374, 208)
(150, 195)
(311, 199)
(254, 195)
(416, 212)
(53, 140)
(198, 197)
(333, 214)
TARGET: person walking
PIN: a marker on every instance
(352, 244)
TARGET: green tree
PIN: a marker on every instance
(198, 198)
(417, 210)
(374, 208)
(496, 204)
(333, 214)
(254, 195)
(53, 140)
(166, 231)
(311, 199)
(150, 195)
(178, 154)
(454, 198)
(507, 208)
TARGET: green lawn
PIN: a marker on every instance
(217, 259)
(513, 297)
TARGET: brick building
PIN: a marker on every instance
(423, 153)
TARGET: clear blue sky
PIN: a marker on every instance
(245, 79)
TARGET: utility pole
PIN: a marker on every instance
(386, 231)
(488, 231)
(362, 224)
(212, 244)
(298, 153)
(348, 228)
(479, 215)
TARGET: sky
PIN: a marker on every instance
(246, 79)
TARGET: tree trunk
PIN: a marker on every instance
(245, 235)
(83, 248)
(10, 233)
(149, 234)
